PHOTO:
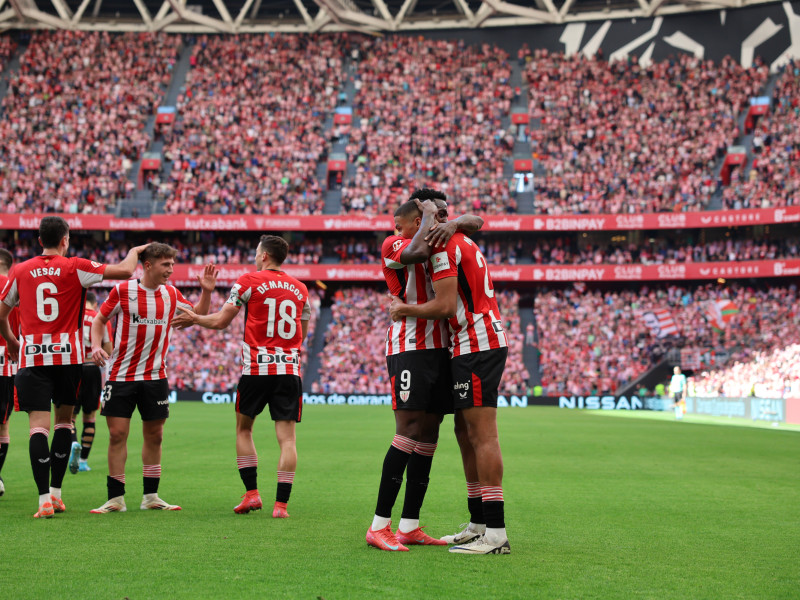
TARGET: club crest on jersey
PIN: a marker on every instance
(36, 349)
(440, 262)
(404, 395)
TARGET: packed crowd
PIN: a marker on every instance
(220, 249)
(622, 137)
(774, 177)
(764, 374)
(250, 130)
(596, 341)
(235, 248)
(574, 251)
(430, 114)
(74, 118)
(207, 360)
(360, 319)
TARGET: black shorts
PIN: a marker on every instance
(91, 386)
(476, 377)
(37, 386)
(283, 394)
(121, 398)
(6, 398)
(421, 380)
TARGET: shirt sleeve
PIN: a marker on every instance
(89, 272)
(391, 250)
(443, 264)
(240, 293)
(9, 295)
(111, 306)
(306, 315)
(182, 301)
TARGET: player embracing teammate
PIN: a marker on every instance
(465, 296)
(418, 363)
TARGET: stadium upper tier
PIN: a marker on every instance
(619, 137)
(254, 128)
(774, 177)
(249, 132)
(431, 112)
(74, 118)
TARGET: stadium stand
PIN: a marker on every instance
(430, 112)
(618, 137)
(249, 132)
(763, 374)
(74, 115)
(210, 361)
(774, 177)
(236, 248)
(603, 337)
(360, 320)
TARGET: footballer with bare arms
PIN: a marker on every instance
(50, 291)
(465, 296)
(277, 311)
(137, 376)
(418, 364)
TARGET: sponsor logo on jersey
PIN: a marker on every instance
(278, 359)
(440, 262)
(36, 349)
(397, 245)
(137, 320)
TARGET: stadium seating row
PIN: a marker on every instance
(233, 248)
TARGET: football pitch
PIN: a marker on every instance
(596, 507)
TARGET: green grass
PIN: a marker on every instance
(612, 507)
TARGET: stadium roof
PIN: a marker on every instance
(309, 16)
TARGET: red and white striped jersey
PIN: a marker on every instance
(8, 368)
(88, 319)
(143, 329)
(50, 291)
(476, 326)
(412, 284)
(275, 303)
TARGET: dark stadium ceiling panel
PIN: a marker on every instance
(310, 16)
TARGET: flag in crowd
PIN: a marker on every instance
(719, 313)
(660, 322)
